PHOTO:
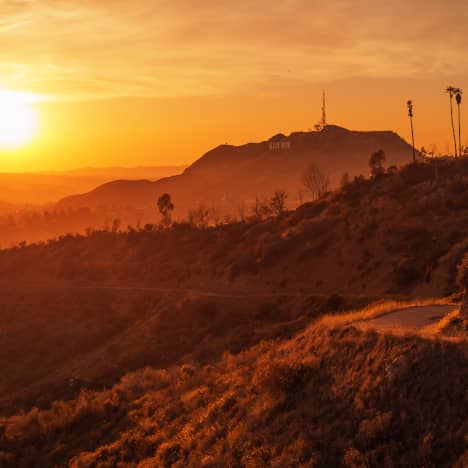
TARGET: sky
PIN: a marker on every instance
(159, 82)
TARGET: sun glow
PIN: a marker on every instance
(18, 119)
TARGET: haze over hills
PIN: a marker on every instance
(230, 176)
(38, 188)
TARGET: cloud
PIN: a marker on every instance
(79, 49)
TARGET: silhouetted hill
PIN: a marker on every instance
(228, 176)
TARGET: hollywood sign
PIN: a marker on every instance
(279, 145)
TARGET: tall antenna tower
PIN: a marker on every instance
(324, 110)
(323, 122)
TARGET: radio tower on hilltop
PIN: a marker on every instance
(323, 122)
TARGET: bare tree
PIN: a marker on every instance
(278, 202)
(215, 215)
(315, 181)
(199, 217)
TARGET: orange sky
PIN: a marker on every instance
(162, 81)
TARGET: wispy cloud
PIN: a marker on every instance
(77, 49)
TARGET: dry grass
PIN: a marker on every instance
(332, 397)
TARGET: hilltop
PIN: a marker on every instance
(229, 176)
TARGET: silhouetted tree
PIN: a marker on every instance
(410, 115)
(451, 92)
(376, 162)
(166, 207)
(278, 201)
(315, 181)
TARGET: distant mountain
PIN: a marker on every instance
(46, 187)
(228, 176)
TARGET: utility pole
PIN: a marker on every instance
(410, 114)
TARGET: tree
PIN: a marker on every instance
(315, 181)
(451, 92)
(410, 114)
(376, 162)
(166, 207)
(278, 201)
(458, 97)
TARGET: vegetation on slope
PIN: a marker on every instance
(231, 377)
(394, 234)
(328, 397)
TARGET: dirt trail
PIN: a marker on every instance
(411, 319)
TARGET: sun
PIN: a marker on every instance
(18, 119)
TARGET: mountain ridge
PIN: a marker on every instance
(230, 175)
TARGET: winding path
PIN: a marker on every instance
(410, 319)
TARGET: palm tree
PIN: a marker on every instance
(452, 91)
(458, 98)
(410, 114)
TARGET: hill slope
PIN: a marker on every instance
(228, 176)
(399, 233)
(199, 347)
(327, 397)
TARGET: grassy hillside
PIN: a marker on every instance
(398, 234)
(205, 346)
(56, 340)
(327, 397)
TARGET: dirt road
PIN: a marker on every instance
(411, 319)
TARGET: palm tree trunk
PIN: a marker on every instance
(459, 131)
(453, 126)
(412, 138)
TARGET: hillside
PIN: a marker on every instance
(229, 176)
(347, 398)
(196, 346)
(400, 233)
